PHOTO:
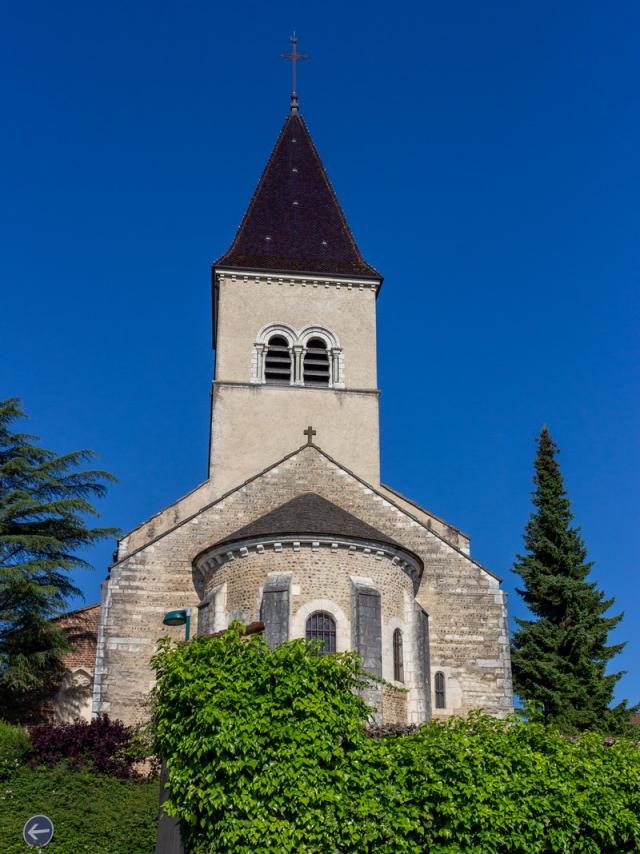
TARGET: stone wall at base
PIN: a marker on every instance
(71, 699)
(394, 705)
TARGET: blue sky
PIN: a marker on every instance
(486, 156)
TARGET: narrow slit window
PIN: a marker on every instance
(316, 363)
(277, 366)
(398, 661)
(322, 627)
(441, 700)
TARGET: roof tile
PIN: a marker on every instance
(309, 514)
(294, 222)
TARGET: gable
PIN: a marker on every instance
(306, 470)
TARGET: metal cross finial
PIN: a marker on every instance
(295, 57)
(309, 433)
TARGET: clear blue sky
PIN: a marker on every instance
(486, 155)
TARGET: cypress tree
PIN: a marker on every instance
(44, 503)
(560, 658)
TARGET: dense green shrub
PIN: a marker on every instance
(90, 812)
(267, 750)
(14, 747)
(262, 746)
(481, 784)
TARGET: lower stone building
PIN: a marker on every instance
(293, 525)
(71, 698)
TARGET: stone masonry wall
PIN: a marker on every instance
(466, 608)
(322, 580)
(394, 704)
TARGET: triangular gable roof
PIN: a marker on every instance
(294, 222)
(309, 514)
(352, 474)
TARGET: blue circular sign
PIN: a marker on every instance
(38, 831)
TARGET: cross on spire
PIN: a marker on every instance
(309, 433)
(295, 57)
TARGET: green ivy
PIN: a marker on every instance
(267, 750)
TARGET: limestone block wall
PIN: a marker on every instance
(203, 495)
(453, 535)
(394, 703)
(247, 303)
(466, 608)
(322, 576)
(254, 425)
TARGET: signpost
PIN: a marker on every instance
(38, 831)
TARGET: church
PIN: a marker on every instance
(293, 526)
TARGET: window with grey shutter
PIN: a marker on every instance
(423, 658)
(367, 627)
(206, 616)
(274, 609)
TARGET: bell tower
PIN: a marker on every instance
(294, 325)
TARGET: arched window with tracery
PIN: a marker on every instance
(277, 363)
(441, 699)
(316, 366)
(398, 660)
(322, 627)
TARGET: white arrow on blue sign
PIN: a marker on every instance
(38, 831)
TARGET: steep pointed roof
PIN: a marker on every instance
(294, 222)
(310, 514)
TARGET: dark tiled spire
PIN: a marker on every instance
(294, 222)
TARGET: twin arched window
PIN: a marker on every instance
(316, 370)
(277, 363)
(309, 358)
(322, 627)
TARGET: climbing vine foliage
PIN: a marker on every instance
(267, 750)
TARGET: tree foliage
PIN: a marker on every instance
(267, 750)
(44, 501)
(560, 658)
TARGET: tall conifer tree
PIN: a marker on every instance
(559, 658)
(44, 502)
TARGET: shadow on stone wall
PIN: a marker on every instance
(73, 699)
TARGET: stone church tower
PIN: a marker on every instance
(293, 526)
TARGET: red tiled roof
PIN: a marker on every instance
(294, 222)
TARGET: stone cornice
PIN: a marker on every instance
(292, 279)
(216, 556)
(298, 388)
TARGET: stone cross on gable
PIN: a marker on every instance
(309, 433)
